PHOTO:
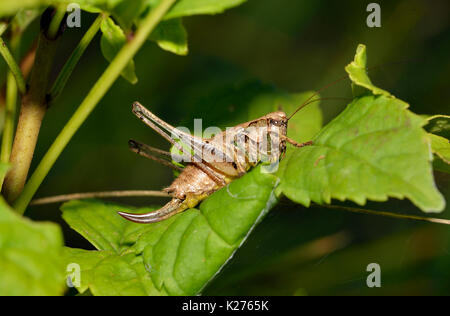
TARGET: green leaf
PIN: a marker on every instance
(104, 228)
(171, 36)
(8, 8)
(190, 250)
(180, 9)
(30, 262)
(181, 254)
(196, 7)
(441, 147)
(375, 149)
(113, 39)
(127, 12)
(114, 269)
(11, 7)
(106, 273)
(94, 6)
(361, 83)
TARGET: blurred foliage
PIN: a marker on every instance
(296, 46)
(24, 270)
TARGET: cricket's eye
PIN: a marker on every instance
(276, 123)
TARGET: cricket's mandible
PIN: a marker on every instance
(210, 163)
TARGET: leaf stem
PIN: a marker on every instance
(74, 58)
(13, 66)
(97, 92)
(10, 108)
(387, 214)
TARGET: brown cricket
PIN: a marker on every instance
(211, 163)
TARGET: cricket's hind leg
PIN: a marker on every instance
(168, 210)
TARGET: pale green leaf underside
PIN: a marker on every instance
(171, 36)
(440, 147)
(357, 71)
(112, 41)
(30, 262)
(180, 254)
(375, 149)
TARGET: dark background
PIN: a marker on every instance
(296, 46)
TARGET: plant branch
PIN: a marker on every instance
(33, 109)
(94, 96)
(74, 58)
(387, 214)
(13, 66)
(106, 194)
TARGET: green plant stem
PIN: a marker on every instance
(3, 28)
(74, 58)
(10, 108)
(10, 113)
(95, 95)
(13, 66)
(32, 111)
(55, 24)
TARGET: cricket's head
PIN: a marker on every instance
(277, 125)
(278, 122)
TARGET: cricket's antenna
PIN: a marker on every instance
(309, 100)
(306, 103)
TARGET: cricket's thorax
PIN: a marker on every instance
(246, 145)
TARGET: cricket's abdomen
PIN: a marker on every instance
(190, 188)
(192, 181)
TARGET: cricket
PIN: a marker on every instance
(214, 162)
(211, 163)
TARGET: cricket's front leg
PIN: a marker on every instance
(296, 144)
